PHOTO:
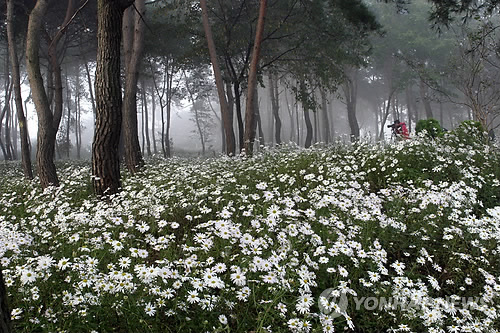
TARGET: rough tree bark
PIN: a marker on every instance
(249, 136)
(105, 158)
(46, 130)
(228, 125)
(133, 41)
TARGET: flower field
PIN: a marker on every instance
(251, 245)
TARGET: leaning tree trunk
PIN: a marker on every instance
(46, 131)
(252, 81)
(228, 125)
(105, 158)
(133, 41)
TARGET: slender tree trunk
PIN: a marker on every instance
(146, 117)
(46, 130)
(228, 125)
(297, 121)
(91, 90)
(239, 117)
(105, 158)
(78, 122)
(153, 120)
(258, 119)
(273, 92)
(326, 121)
(169, 113)
(351, 94)
(250, 113)
(143, 135)
(425, 100)
(133, 40)
(290, 114)
(6, 113)
(309, 127)
(68, 108)
(316, 126)
(8, 91)
(409, 107)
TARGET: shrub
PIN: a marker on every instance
(431, 127)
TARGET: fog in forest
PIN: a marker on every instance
(311, 90)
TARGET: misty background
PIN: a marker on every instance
(405, 69)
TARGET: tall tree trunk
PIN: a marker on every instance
(239, 117)
(133, 41)
(8, 91)
(105, 158)
(68, 108)
(290, 115)
(273, 92)
(309, 128)
(425, 99)
(78, 122)
(228, 125)
(46, 130)
(146, 117)
(316, 126)
(153, 120)
(91, 90)
(326, 121)
(351, 95)
(258, 118)
(6, 148)
(409, 107)
(250, 114)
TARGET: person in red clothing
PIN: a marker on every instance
(399, 130)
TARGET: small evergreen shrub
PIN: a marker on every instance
(431, 126)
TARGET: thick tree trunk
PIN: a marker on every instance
(46, 130)
(250, 113)
(326, 121)
(105, 158)
(133, 41)
(228, 125)
(273, 91)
